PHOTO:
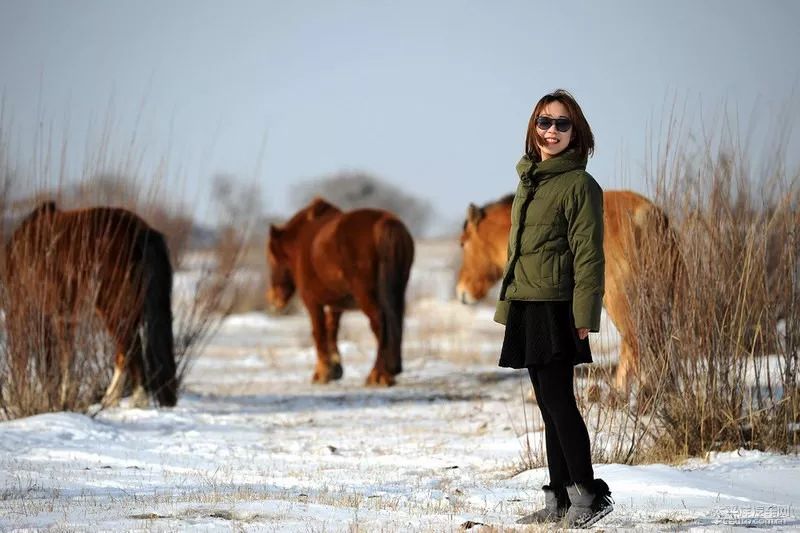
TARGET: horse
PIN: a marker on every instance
(337, 261)
(629, 221)
(59, 264)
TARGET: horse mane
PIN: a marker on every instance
(317, 208)
(45, 208)
(506, 200)
(475, 214)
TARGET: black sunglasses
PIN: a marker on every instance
(562, 124)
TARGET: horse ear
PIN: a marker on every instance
(274, 244)
(274, 231)
(474, 214)
(46, 207)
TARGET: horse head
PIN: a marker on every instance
(282, 285)
(43, 209)
(283, 241)
(23, 232)
(483, 259)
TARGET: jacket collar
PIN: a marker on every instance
(530, 171)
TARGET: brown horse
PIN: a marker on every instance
(628, 218)
(59, 264)
(344, 260)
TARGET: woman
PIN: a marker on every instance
(552, 295)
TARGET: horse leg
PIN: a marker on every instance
(332, 317)
(619, 311)
(54, 355)
(114, 391)
(323, 372)
(66, 350)
(380, 374)
(59, 352)
(135, 363)
(127, 359)
(627, 367)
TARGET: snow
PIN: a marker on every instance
(253, 445)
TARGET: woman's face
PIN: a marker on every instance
(555, 141)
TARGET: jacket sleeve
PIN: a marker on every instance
(502, 307)
(584, 212)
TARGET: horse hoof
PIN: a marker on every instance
(108, 403)
(380, 379)
(319, 378)
(140, 402)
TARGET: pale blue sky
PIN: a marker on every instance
(431, 96)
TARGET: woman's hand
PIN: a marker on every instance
(582, 333)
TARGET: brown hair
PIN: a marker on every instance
(582, 139)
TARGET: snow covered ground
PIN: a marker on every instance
(253, 445)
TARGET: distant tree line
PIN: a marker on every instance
(353, 190)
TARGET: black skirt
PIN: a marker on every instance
(540, 332)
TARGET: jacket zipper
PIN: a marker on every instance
(517, 241)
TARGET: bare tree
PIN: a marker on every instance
(352, 190)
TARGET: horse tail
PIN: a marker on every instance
(395, 254)
(668, 238)
(678, 264)
(159, 346)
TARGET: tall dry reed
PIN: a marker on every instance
(718, 336)
(52, 359)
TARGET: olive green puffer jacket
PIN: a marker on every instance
(555, 246)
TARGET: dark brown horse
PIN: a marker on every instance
(336, 261)
(629, 220)
(59, 264)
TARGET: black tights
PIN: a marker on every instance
(569, 457)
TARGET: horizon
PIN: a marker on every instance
(433, 99)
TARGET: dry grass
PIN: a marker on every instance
(52, 359)
(49, 363)
(719, 339)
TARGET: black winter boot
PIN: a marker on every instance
(589, 503)
(556, 503)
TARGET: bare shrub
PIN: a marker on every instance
(532, 452)
(58, 353)
(236, 272)
(55, 359)
(718, 337)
